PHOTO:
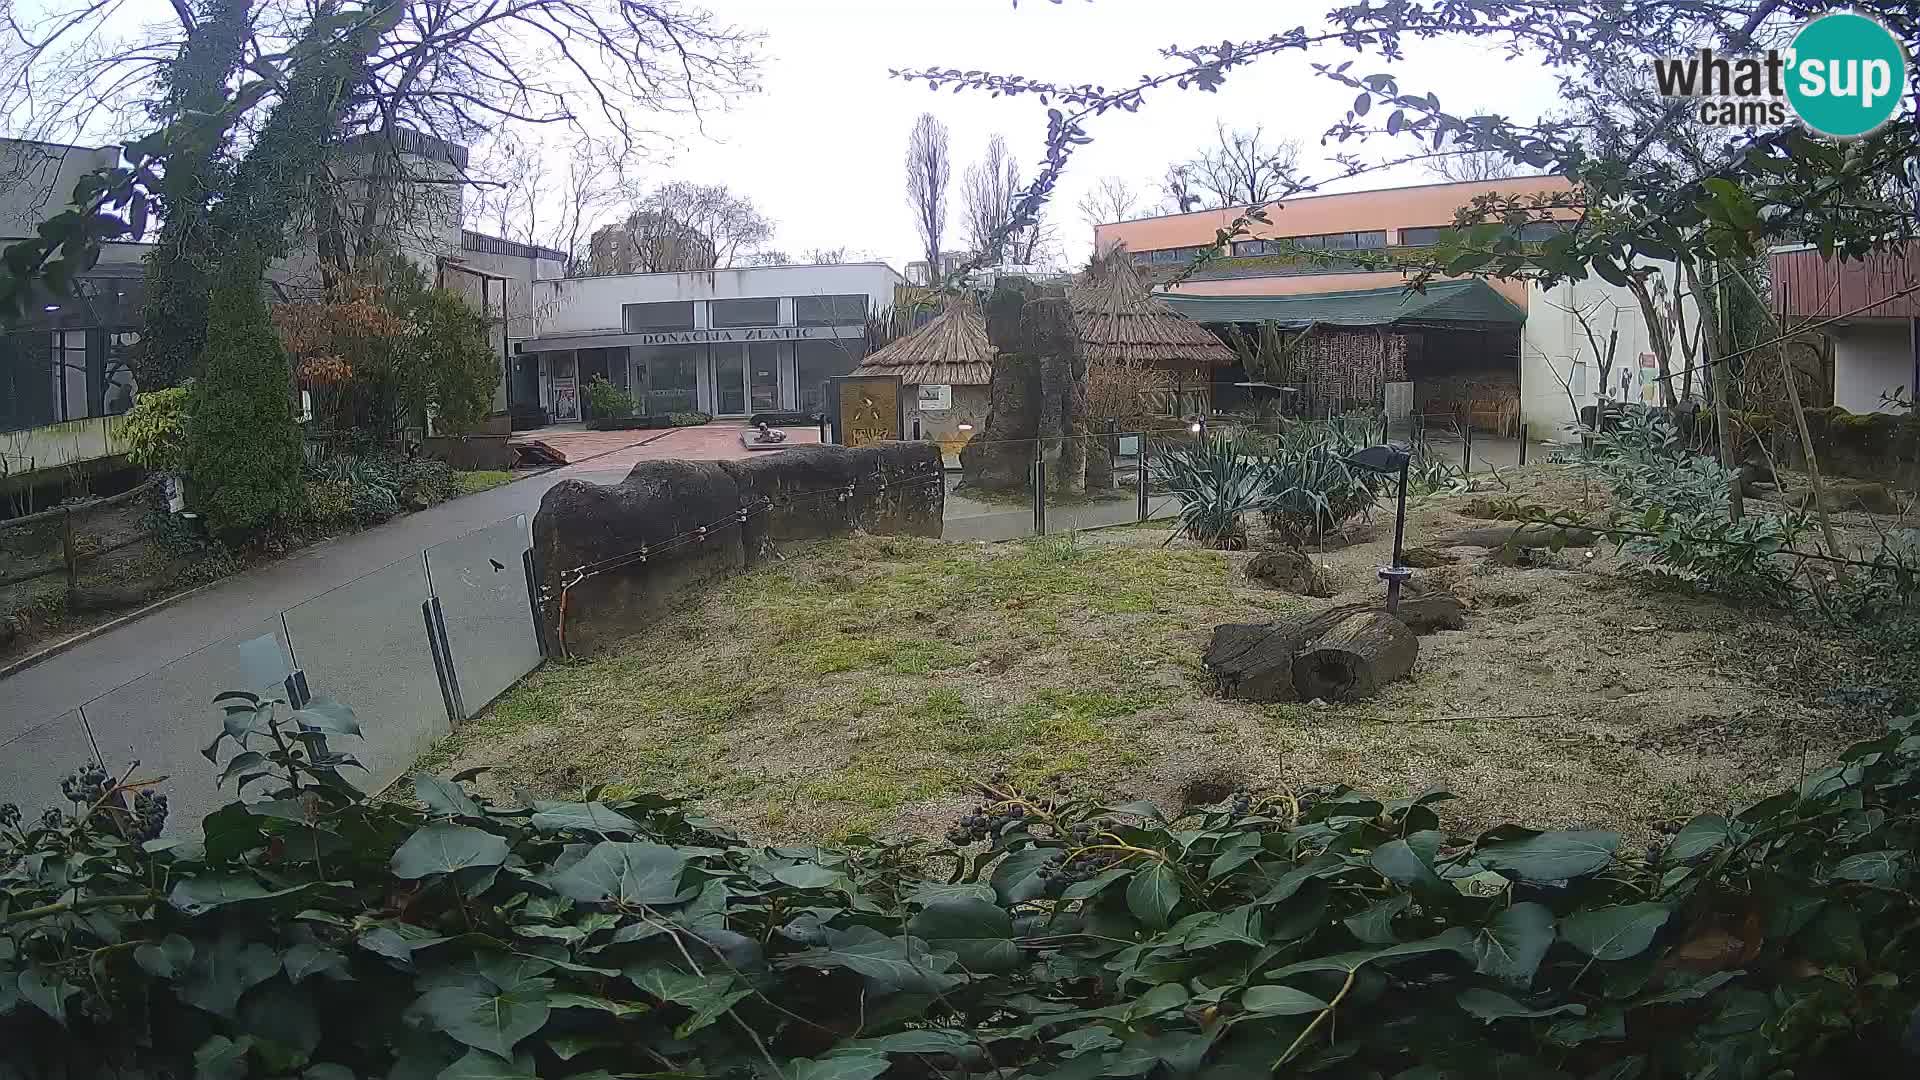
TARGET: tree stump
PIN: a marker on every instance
(1258, 661)
(1354, 657)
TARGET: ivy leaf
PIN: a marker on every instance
(841, 1067)
(1550, 856)
(444, 797)
(327, 1072)
(47, 990)
(1630, 1068)
(306, 959)
(442, 848)
(1511, 947)
(476, 1012)
(1410, 862)
(224, 970)
(1375, 925)
(806, 876)
(1490, 1006)
(479, 1066)
(978, 933)
(167, 958)
(586, 816)
(199, 895)
(890, 965)
(221, 1058)
(285, 1017)
(1017, 877)
(1614, 933)
(1698, 837)
(1873, 867)
(709, 996)
(1280, 1001)
(629, 874)
(1152, 896)
(613, 1008)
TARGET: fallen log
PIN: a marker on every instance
(1355, 657)
(1340, 654)
(1436, 611)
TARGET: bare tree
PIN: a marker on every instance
(681, 226)
(987, 193)
(769, 257)
(824, 256)
(1178, 193)
(1112, 199)
(928, 171)
(1243, 169)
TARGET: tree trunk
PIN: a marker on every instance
(1355, 657)
(1709, 316)
(1340, 654)
(1656, 335)
(1100, 454)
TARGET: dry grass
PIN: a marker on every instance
(857, 685)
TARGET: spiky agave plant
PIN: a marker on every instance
(1311, 488)
(1218, 482)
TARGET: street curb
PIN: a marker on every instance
(85, 636)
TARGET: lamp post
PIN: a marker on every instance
(1387, 460)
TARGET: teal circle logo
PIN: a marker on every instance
(1847, 76)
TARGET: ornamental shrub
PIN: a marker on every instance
(313, 933)
(155, 429)
(243, 456)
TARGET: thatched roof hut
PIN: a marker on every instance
(1119, 319)
(951, 349)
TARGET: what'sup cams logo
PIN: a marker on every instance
(1844, 75)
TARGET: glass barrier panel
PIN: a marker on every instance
(995, 502)
(33, 763)
(364, 645)
(165, 718)
(482, 586)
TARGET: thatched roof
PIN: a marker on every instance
(1119, 318)
(950, 349)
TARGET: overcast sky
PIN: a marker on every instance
(820, 149)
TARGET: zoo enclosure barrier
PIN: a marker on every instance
(415, 648)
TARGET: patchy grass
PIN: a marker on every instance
(860, 685)
(473, 481)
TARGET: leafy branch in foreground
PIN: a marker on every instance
(316, 934)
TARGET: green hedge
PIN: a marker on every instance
(314, 934)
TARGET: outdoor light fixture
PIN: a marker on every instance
(1195, 427)
(966, 427)
(51, 307)
(1388, 460)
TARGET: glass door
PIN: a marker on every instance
(763, 370)
(729, 380)
(563, 388)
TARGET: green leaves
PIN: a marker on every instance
(629, 874)
(588, 817)
(977, 933)
(889, 964)
(1511, 946)
(1549, 856)
(225, 969)
(1410, 863)
(1280, 1001)
(1491, 1006)
(1153, 895)
(491, 1008)
(444, 798)
(1614, 933)
(844, 1067)
(442, 848)
(168, 958)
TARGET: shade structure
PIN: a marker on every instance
(951, 349)
(1119, 319)
(1440, 304)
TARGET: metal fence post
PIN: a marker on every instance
(1466, 436)
(533, 603)
(443, 659)
(1039, 497)
(1141, 481)
(1523, 444)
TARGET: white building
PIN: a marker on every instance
(723, 342)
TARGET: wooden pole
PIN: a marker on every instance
(1709, 318)
(67, 549)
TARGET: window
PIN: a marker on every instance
(837, 310)
(653, 318)
(817, 361)
(727, 313)
(666, 378)
(1536, 232)
(1343, 241)
(1424, 236)
(1169, 256)
(70, 375)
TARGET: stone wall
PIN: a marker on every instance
(746, 508)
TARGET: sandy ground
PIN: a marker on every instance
(858, 685)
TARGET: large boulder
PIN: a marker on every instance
(1036, 403)
(613, 558)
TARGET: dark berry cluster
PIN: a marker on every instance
(1061, 870)
(51, 819)
(88, 784)
(149, 816)
(983, 824)
(1240, 804)
(9, 814)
